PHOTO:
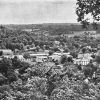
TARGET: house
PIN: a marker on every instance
(56, 42)
(41, 58)
(8, 56)
(27, 30)
(7, 51)
(86, 33)
(81, 61)
(98, 46)
(29, 48)
(60, 54)
(20, 57)
(39, 54)
(55, 57)
(90, 33)
(86, 55)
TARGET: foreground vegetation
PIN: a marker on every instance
(21, 81)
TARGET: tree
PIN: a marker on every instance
(55, 49)
(26, 56)
(86, 8)
(70, 59)
(3, 79)
(74, 54)
(5, 64)
(88, 72)
(11, 76)
(66, 50)
(63, 59)
(1, 53)
(16, 63)
(50, 52)
(93, 56)
(83, 50)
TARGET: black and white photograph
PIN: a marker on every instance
(49, 49)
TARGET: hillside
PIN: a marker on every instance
(52, 28)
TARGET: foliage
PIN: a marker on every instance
(86, 8)
(83, 50)
(50, 52)
(74, 54)
(26, 56)
(63, 59)
(1, 53)
(49, 83)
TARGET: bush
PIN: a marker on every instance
(63, 59)
(50, 53)
(26, 56)
(1, 53)
(74, 54)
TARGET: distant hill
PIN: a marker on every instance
(44, 25)
(52, 28)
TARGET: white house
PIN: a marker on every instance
(81, 61)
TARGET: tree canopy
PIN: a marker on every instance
(86, 8)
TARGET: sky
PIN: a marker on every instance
(37, 11)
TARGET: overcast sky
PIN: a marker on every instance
(37, 11)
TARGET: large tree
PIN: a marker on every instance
(97, 58)
(86, 8)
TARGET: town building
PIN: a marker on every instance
(81, 61)
(6, 51)
(85, 33)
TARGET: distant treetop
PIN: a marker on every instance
(87, 8)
